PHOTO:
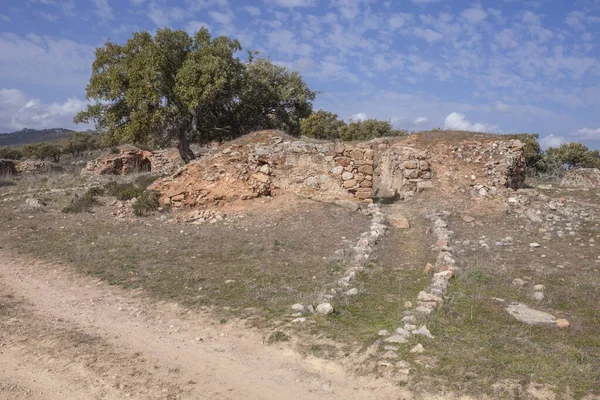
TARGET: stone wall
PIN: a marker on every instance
(268, 163)
(36, 167)
(127, 161)
(585, 178)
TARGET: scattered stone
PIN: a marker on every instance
(297, 320)
(324, 308)
(528, 315)
(348, 204)
(534, 245)
(407, 304)
(396, 339)
(467, 218)
(352, 292)
(34, 204)
(539, 288)
(408, 318)
(298, 307)
(423, 310)
(562, 323)
(428, 268)
(383, 332)
(423, 331)
(410, 327)
(518, 282)
(533, 216)
(418, 349)
(537, 296)
(398, 221)
(403, 332)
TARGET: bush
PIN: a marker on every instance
(9, 153)
(145, 203)
(370, 129)
(84, 203)
(323, 125)
(128, 191)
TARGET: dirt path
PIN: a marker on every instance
(64, 336)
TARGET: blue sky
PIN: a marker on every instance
(502, 66)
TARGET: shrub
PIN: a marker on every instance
(323, 125)
(370, 129)
(128, 191)
(146, 202)
(84, 203)
(277, 336)
(9, 153)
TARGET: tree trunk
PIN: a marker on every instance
(185, 151)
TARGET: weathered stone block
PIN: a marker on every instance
(366, 169)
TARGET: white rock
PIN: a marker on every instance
(408, 318)
(410, 327)
(324, 308)
(298, 307)
(403, 332)
(297, 320)
(383, 332)
(518, 282)
(530, 316)
(539, 288)
(534, 245)
(538, 296)
(396, 339)
(352, 292)
(423, 331)
(418, 349)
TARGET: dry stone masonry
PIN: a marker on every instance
(127, 161)
(268, 163)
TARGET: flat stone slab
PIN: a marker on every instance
(530, 316)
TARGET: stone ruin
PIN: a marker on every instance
(269, 163)
(11, 167)
(584, 178)
(130, 160)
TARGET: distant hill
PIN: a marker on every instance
(26, 136)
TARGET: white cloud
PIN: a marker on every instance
(551, 141)
(45, 60)
(221, 18)
(292, 3)
(18, 112)
(429, 35)
(423, 2)
(194, 26)
(397, 21)
(254, 11)
(284, 41)
(502, 107)
(474, 15)
(587, 134)
(163, 16)
(420, 120)
(361, 116)
(459, 122)
(103, 10)
(49, 17)
(4, 18)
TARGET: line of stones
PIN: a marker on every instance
(362, 252)
(430, 298)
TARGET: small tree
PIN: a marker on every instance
(172, 87)
(575, 155)
(323, 125)
(10, 153)
(370, 129)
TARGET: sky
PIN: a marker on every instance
(505, 66)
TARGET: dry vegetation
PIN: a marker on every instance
(254, 265)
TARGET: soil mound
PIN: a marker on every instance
(587, 178)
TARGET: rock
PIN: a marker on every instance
(346, 176)
(423, 310)
(407, 304)
(418, 349)
(310, 309)
(428, 268)
(528, 315)
(408, 318)
(398, 221)
(410, 327)
(534, 245)
(537, 296)
(539, 288)
(33, 203)
(383, 332)
(468, 218)
(423, 331)
(352, 292)
(390, 355)
(562, 323)
(533, 217)
(324, 308)
(396, 339)
(298, 307)
(518, 282)
(297, 320)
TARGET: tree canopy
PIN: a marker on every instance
(173, 87)
(325, 125)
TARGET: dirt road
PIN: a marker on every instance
(64, 336)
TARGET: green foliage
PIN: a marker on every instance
(43, 151)
(323, 125)
(531, 149)
(10, 153)
(80, 142)
(575, 155)
(173, 87)
(129, 190)
(145, 203)
(370, 129)
(84, 203)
